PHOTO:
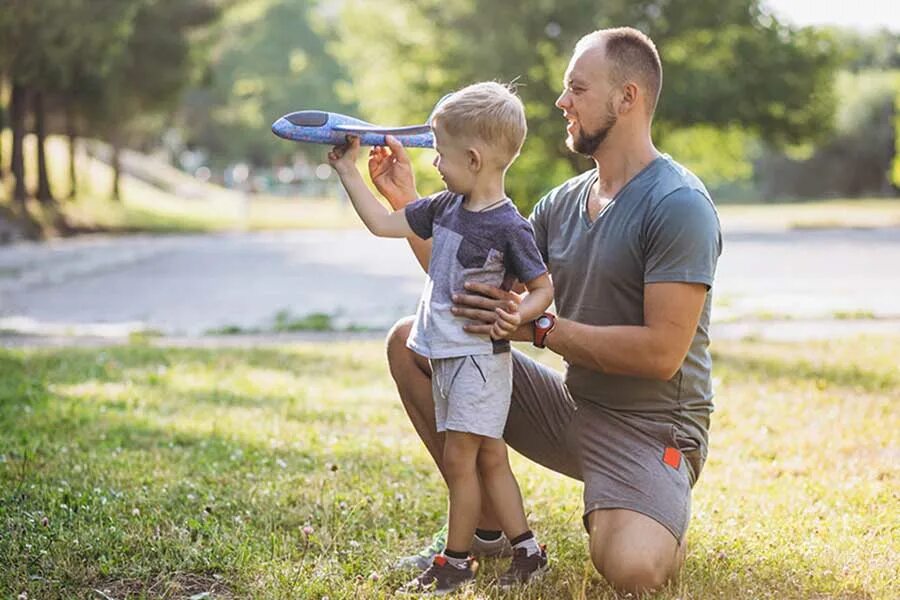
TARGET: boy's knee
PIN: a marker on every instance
(492, 458)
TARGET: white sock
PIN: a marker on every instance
(459, 563)
(530, 545)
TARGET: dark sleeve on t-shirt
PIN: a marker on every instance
(422, 213)
(683, 240)
(522, 255)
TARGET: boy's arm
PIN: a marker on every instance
(539, 297)
(377, 218)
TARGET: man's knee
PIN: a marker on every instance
(636, 572)
(632, 552)
(397, 336)
(402, 360)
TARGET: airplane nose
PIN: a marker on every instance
(281, 127)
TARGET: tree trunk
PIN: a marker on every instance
(116, 167)
(44, 194)
(2, 127)
(17, 122)
(72, 134)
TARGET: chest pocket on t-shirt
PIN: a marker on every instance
(480, 263)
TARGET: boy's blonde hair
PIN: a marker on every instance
(489, 112)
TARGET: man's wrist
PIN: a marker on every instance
(541, 328)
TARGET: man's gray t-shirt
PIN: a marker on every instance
(494, 246)
(661, 227)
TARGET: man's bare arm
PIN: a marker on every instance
(654, 350)
(391, 171)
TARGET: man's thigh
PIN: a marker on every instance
(632, 462)
(540, 422)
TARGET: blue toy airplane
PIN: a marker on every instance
(320, 127)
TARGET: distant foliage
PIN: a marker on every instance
(857, 160)
(271, 57)
(727, 66)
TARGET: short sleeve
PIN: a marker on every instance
(538, 221)
(421, 213)
(683, 239)
(523, 257)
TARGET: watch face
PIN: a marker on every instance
(543, 321)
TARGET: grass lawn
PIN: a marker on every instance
(144, 472)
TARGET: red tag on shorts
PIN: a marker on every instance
(672, 457)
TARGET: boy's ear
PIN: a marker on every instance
(475, 160)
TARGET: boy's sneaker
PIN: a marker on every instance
(491, 548)
(480, 548)
(524, 568)
(423, 559)
(441, 578)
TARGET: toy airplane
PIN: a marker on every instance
(320, 127)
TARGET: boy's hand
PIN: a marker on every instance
(392, 173)
(343, 157)
(507, 322)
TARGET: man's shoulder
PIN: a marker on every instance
(673, 178)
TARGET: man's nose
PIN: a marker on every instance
(435, 161)
(562, 100)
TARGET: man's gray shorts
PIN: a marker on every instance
(626, 460)
(472, 393)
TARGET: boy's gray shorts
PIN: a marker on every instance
(471, 393)
(626, 460)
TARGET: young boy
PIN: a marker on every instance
(478, 235)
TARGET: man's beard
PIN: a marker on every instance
(587, 143)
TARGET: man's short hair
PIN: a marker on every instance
(633, 56)
(489, 112)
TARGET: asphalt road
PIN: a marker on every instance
(193, 284)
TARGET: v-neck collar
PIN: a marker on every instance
(583, 201)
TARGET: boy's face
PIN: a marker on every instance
(453, 160)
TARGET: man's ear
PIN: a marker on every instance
(475, 160)
(629, 97)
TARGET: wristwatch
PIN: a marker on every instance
(543, 325)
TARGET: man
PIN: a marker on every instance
(632, 247)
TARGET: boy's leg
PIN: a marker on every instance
(460, 470)
(529, 558)
(412, 376)
(453, 569)
(501, 487)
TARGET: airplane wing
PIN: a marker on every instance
(361, 129)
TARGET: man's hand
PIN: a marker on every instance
(392, 173)
(481, 303)
(343, 157)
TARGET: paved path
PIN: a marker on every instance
(190, 284)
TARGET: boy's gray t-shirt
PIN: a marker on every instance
(495, 247)
(661, 227)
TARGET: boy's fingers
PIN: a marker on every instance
(396, 148)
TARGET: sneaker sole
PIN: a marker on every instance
(460, 588)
